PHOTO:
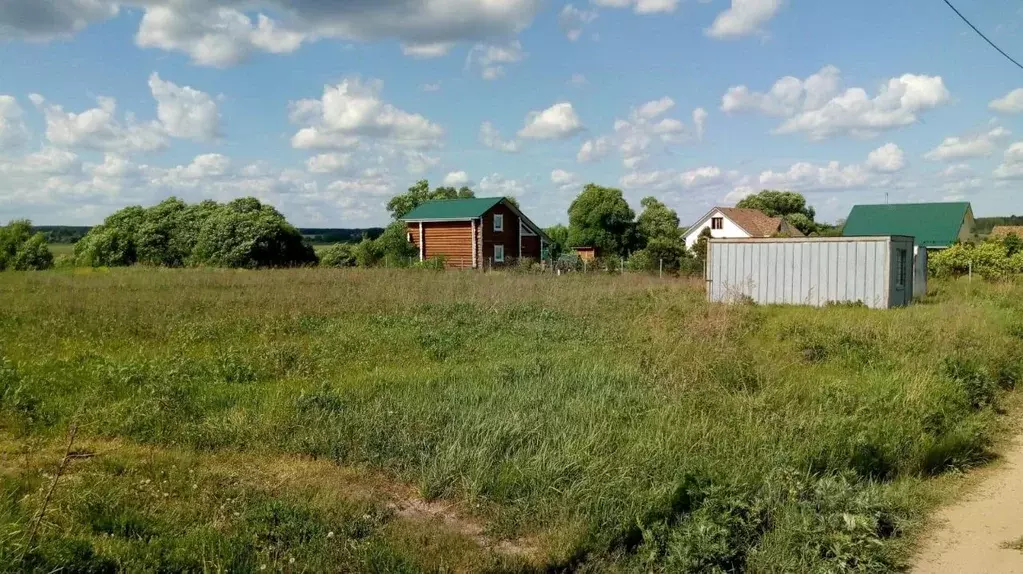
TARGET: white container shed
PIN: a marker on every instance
(877, 271)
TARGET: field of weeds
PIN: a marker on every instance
(374, 420)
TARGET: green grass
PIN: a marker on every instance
(59, 249)
(587, 423)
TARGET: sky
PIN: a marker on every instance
(327, 108)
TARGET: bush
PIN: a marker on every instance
(243, 234)
(993, 259)
(20, 250)
(339, 255)
(435, 263)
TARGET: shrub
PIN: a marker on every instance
(339, 255)
(993, 259)
(434, 263)
(243, 233)
(20, 250)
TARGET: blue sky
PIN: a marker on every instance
(326, 109)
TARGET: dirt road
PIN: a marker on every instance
(971, 535)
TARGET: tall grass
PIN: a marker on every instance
(619, 422)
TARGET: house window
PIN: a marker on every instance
(717, 222)
(900, 272)
(499, 253)
(498, 222)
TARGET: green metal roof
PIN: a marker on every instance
(932, 224)
(452, 208)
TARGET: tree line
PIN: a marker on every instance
(600, 217)
(246, 233)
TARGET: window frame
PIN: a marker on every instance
(717, 223)
(498, 222)
(501, 258)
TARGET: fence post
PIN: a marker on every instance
(660, 269)
(971, 271)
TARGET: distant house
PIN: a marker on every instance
(474, 233)
(1003, 231)
(739, 223)
(933, 225)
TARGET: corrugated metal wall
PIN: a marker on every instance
(804, 272)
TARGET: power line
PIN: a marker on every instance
(981, 34)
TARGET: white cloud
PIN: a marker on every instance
(956, 171)
(594, 149)
(572, 20)
(565, 180)
(819, 108)
(40, 20)
(647, 124)
(184, 111)
(490, 137)
(373, 182)
(98, 128)
(745, 17)
(640, 6)
(203, 167)
(1011, 103)
(114, 166)
(417, 162)
(431, 87)
(424, 51)
(804, 176)
(47, 161)
(13, 131)
(738, 194)
(888, 158)
(651, 110)
(1012, 163)
(222, 32)
(577, 80)
(212, 35)
(490, 59)
(702, 178)
(456, 179)
(556, 122)
(498, 186)
(700, 121)
(352, 110)
(328, 162)
(960, 147)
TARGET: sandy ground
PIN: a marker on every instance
(970, 535)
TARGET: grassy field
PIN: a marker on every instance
(59, 249)
(374, 420)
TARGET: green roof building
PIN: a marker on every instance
(932, 225)
(475, 233)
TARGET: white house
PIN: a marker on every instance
(739, 223)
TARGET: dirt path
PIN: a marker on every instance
(972, 534)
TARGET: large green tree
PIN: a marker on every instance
(657, 221)
(788, 204)
(242, 233)
(21, 250)
(663, 247)
(419, 193)
(600, 217)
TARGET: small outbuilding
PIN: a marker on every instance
(875, 271)
(474, 233)
(586, 252)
